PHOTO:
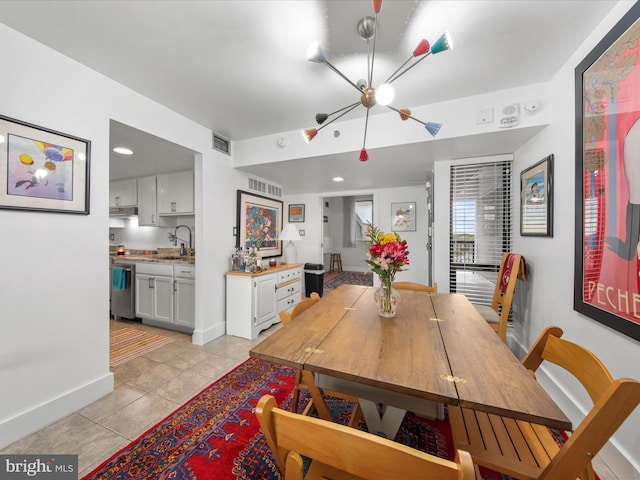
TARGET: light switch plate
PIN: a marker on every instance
(484, 115)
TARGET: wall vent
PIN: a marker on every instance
(221, 143)
(264, 187)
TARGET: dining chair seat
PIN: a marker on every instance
(488, 313)
(529, 450)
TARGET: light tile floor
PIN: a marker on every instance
(147, 389)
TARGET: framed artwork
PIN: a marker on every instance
(259, 222)
(42, 170)
(296, 213)
(607, 237)
(403, 217)
(536, 199)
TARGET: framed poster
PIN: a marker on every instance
(296, 213)
(403, 217)
(42, 170)
(536, 199)
(607, 237)
(259, 221)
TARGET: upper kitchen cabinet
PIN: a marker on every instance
(147, 210)
(175, 193)
(123, 193)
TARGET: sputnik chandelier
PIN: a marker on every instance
(370, 96)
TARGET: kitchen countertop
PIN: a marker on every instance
(188, 260)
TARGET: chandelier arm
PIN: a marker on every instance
(399, 68)
(373, 51)
(350, 107)
(366, 124)
(342, 75)
(394, 77)
(353, 105)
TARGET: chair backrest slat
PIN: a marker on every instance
(357, 454)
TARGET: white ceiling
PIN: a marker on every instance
(239, 67)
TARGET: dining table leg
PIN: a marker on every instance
(382, 420)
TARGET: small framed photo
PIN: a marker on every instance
(42, 170)
(296, 213)
(403, 217)
(536, 199)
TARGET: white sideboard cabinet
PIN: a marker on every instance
(255, 299)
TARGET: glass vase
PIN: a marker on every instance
(387, 298)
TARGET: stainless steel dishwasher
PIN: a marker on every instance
(123, 300)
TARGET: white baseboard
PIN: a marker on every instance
(30, 421)
(201, 337)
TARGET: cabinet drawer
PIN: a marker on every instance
(288, 302)
(155, 269)
(184, 271)
(288, 290)
(288, 275)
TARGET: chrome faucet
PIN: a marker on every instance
(175, 235)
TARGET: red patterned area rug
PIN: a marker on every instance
(351, 278)
(216, 436)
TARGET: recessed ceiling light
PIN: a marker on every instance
(123, 151)
(338, 179)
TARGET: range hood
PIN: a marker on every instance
(123, 211)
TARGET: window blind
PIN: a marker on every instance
(480, 227)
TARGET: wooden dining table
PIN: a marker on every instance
(436, 350)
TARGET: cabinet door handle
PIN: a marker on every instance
(153, 218)
(151, 282)
(175, 285)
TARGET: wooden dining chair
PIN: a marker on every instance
(418, 287)
(526, 450)
(512, 267)
(286, 317)
(340, 452)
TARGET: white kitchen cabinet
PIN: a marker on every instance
(147, 211)
(148, 205)
(175, 193)
(165, 295)
(184, 286)
(154, 292)
(255, 299)
(123, 193)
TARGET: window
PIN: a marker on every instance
(364, 218)
(481, 206)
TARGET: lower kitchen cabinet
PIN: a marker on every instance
(165, 295)
(255, 299)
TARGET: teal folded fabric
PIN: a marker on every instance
(118, 279)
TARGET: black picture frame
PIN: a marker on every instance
(536, 199)
(607, 231)
(296, 213)
(43, 170)
(259, 223)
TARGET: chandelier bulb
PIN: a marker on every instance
(309, 134)
(384, 94)
(321, 118)
(422, 48)
(364, 156)
(433, 128)
(315, 52)
(405, 113)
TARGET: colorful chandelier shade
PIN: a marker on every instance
(370, 96)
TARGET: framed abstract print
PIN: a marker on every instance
(536, 199)
(296, 213)
(42, 170)
(259, 221)
(607, 239)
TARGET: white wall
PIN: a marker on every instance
(54, 346)
(551, 261)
